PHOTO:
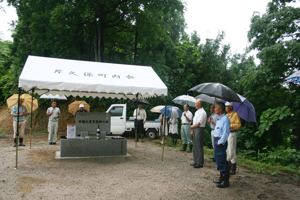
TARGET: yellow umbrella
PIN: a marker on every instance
(13, 100)
(74, 107)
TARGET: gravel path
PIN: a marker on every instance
(140, 176)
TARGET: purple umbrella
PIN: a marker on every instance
(245, 109)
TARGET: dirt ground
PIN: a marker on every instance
(140, 176)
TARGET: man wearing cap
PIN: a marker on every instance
(22, 121)
(53, 113)
(221, 133)
(186, 138)
(197, 130)
(81, 109)
(212, 120)
(235, 124)
(140, 116)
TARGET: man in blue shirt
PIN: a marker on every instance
(221, 133)
(22, 121)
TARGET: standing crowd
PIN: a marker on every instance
(223, 132)
(223, 135)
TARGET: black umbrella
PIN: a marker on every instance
(208, 99)
(140, 101)
(216, 90)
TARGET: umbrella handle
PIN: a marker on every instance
(239, 107)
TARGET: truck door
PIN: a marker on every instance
(117, 120)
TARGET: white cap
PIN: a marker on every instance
(228, 104)
(81, 106)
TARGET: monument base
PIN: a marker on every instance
(92, 147)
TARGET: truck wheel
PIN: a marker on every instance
(151, 134)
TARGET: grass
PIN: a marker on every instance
(43, 131)
(253, 166)
(1, 131)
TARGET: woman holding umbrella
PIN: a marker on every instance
(173, 129)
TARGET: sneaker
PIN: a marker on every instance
(50, 143)
(54, 143)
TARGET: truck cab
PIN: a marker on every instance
(119, 124)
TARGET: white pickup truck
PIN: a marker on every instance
(119, 124)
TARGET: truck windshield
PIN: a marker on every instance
(116, 111)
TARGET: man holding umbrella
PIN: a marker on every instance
(197, 130)
(235, 124)
(140, 116)
(186, 138)
(22, 121)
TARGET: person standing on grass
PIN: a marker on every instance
(53, 113)
(22, 121)
(212, 120)
(235, 124)
(221, 134)
(186, 138)
(197, 130)
(173, 130)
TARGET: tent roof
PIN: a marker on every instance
(84, 78)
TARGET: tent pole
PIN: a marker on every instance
(164, 124)
(17, 135)
(31, 115)
(135, 123)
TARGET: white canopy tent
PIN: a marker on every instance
(53, 76)
(84, 78)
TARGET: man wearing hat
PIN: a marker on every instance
(81, 109)
(53, 113)
(140, 116)
(235, 124)
(22, 121)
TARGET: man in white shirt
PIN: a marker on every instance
(186, 138)
(197, 130)
(53, 113)
(140, 116)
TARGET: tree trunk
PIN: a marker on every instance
(135, 45)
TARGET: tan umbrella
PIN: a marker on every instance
(157, 109)
(74, 107)
(13, 100)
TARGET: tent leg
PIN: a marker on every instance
(135, 123)
(31, 116)
(164, 135)
(18, 129)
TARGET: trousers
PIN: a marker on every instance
(186, 137)
(22, 125)
(220, 156)
(198, 146)
(52, 129)
(231, 149)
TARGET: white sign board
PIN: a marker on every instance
(71, 131)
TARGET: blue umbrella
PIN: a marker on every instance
(245, 109)
(172, 112)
